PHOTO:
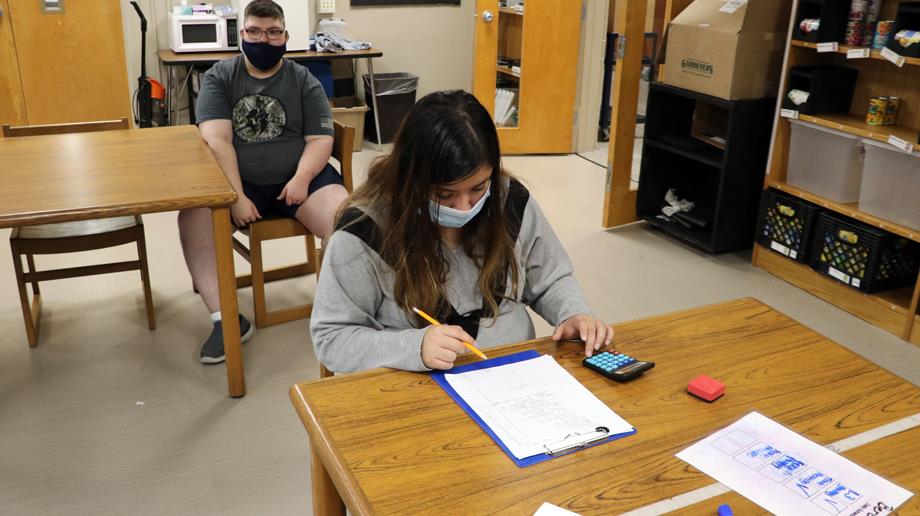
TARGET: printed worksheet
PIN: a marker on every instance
(533, 404)
(786, 473)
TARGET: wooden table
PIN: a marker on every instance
(67, 177)
(393, 441)
(204, 60)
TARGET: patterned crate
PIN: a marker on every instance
(862, 256)
(786, 223)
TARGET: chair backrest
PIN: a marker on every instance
(342, 150)
(78, 127)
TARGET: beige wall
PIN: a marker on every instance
(433, 42)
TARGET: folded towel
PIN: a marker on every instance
(331, 42)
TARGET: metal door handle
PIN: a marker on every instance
(487, 16)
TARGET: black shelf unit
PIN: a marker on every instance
(725, 184)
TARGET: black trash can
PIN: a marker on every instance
(395, 97)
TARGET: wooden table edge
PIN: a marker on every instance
(332, 460)
(25, 219)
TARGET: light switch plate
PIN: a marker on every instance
(325, 6)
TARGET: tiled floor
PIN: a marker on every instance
(105, 417)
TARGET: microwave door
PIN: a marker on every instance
(200, 36)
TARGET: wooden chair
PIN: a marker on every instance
(271, 229)
(72, 237)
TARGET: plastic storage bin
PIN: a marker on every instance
(786, 224)
(862, 256)
(350, 111)
(891, 184)
(825, 162)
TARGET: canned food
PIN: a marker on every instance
(891, 110)
(882, 34)
(874, 7)
(854, 34)
(859, 9)
(877, 109)
(809, 25)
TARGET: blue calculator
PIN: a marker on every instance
(617, 366)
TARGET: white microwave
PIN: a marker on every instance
(203, 32)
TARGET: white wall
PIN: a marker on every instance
(434, 42)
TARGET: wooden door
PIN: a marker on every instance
(72, 63)
(545, 38)
(12, 106)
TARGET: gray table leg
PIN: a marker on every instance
(370, 72)
(171, 100)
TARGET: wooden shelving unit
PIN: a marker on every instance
(856, 124)
(895, 311)
(508, 71)
(542, 44)
(843, 49)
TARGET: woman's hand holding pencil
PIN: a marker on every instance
(443, 344)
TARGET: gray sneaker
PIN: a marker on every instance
(212, 352)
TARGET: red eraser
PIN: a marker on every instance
(706, 388)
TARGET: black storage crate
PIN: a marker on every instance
(786, 225)
(830, 88)
(908, 18)
(833, 15)
(862, 256)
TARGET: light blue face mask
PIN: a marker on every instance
(451, 218)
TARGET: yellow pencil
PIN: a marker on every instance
(435, 322)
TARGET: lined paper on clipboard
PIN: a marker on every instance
(532, 407)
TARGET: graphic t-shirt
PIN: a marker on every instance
(270, 116)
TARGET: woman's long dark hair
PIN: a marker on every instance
(445, 138)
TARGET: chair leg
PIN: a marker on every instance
(312, 266)
(318, 258)
(145, 278)
(30, 262)
(258, 278)
(31, 321)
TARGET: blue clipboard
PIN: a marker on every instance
(439, 377)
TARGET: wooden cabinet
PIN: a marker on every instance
(538, 51)
(59, 67)
(894, 310)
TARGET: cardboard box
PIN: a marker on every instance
(729, 49)
(350, 111)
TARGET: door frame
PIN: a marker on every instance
(629, 18)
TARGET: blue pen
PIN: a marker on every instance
(725, 510)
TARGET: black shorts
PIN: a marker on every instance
(265, 197)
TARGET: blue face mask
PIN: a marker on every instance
(451, 218)
(263, 55)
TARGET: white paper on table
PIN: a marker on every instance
(786, 473)
(548, 509)
(533, 403)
